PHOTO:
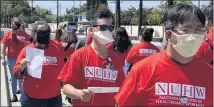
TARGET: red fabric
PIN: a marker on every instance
(158, 81)
(70, 50)
(14, 48)
(77, 73)
(135, 54)
(205, 52)
(48, 86)
(89, 39)
(122, 56)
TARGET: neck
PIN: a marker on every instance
(99, 49)
(171, 52)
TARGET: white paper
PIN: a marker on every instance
(36, 58)
(103, 89)
(72, 27)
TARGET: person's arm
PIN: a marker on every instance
(20, 70)
(3, 51)
(70, 77)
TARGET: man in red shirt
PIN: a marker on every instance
(173, 77)
(142, 50)
(14, 40)
(205, 52)
(43, 91)
(93, 66)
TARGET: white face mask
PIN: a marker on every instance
(188, 44)
(104, 37)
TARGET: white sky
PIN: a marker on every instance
(124, 4)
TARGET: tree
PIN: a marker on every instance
(92, 6)
(154, 17)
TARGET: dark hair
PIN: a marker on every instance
(180, 13)
(58, 34)
(122, 42)
(147, 34)
(33, 31)
(208, 12)
(99, 15)
(70, 37)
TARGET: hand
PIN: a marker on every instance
(23, 64)
(84, 95)
(3, 61)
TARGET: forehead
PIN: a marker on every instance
(191, 23)
(42, 27)
(104, 21)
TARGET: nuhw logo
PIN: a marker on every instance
(100, 73)
(147, 52)
(175, 89)
(50, 60)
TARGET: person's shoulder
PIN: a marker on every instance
(151, 61)
(203, 64)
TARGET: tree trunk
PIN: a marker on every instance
(117, 19)
(170, 3)
(140, 17)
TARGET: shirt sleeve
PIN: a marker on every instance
(128, 94)
(16, 70)
(70, 73)
(5, 39)
(130, 56)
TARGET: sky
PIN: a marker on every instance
(52, 5)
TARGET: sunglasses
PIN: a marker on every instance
(42, 32)
(105, 27)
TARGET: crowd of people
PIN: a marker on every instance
(179, 75)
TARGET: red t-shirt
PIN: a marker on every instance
(86, 69)
(122, 56)
(13, 48)
(89, 39)
(141, 51)
(70, 50)
(48, 86)
(158, 81)
(205, 52)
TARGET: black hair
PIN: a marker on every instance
(147, 34)
(180, 13)
(99, 15)
(208, 12)
(121, 42)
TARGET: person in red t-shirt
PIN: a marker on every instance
(44, 91)
(205, 51)
(14, 40)
(142, 50)
(68, 43)
(93, 66)
(173, 77)
(121, 44)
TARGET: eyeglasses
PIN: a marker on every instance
(190, 31)
(105, 27)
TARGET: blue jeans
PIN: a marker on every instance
(26, 101)
(11, 62)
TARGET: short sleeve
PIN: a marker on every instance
(70, 73)
(130, 56)
(128, 94)
(6, 38)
